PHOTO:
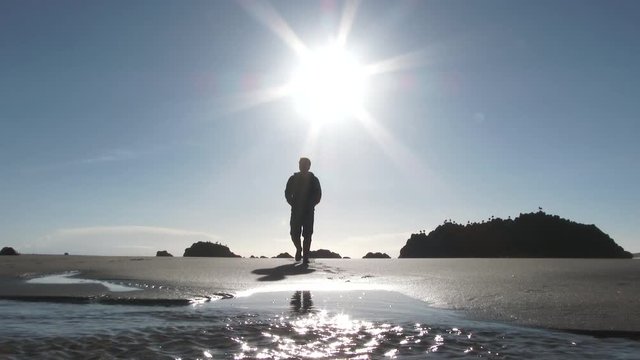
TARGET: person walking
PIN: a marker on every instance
(303, 193)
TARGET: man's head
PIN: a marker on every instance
(304, 164)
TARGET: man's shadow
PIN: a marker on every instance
(281, 272)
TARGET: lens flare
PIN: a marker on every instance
(328, 85)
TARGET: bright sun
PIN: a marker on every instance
(328, 85)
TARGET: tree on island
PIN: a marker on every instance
(376, 255)
(324, 254)
(163, 253)
(208, 249)
(534, 235)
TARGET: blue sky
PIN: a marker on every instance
(133, 126)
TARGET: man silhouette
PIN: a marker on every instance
(303, 193)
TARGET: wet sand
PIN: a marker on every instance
(599, 296)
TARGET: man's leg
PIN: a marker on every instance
(307, 231)
(296, 243)
(306, 248)
(295, 232)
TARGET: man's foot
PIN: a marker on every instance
(305, 260)
(298, 255)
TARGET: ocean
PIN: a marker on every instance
(372, 324)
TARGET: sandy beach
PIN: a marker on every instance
(590, 295)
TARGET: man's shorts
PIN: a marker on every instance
(301, 222)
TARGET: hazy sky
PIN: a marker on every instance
(128, 127)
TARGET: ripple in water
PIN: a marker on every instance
(321, 325)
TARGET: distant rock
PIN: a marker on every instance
(284, 255)
(346, 257)
(8, 251)
(533, 235)
(263, 257)
(324, 254)
(208, 249)
(376, 255)
(164, 253)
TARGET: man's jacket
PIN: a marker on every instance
(303, 191)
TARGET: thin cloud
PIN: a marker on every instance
(122, 240)
(132, 230)
(107, 156)
(136, 247)
(111, 155)
(399, 236)
(389, 243)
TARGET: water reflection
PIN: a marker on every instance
(340, 329)
(301, 302)
(308, 332)
(291, 325)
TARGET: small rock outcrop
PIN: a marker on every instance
(284, 255)
(164, 253)
(533, 235)
(324, 254)
(8, 251)
(376, 255)
(208, 249)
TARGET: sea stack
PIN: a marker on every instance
(208, 249)
(8, 251)
(376, 255)
(533, 235)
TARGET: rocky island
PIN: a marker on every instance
(376, 255)
(8, 251)
(208, 249)
(324, 254)
(532, 235)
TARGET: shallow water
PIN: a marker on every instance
(71, 277)
(281, 325)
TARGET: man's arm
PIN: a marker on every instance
(288, 191)
(318, 191)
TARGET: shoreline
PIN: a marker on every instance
(597, 296)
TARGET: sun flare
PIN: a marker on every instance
(328, 85)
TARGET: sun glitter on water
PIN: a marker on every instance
(328, 85)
